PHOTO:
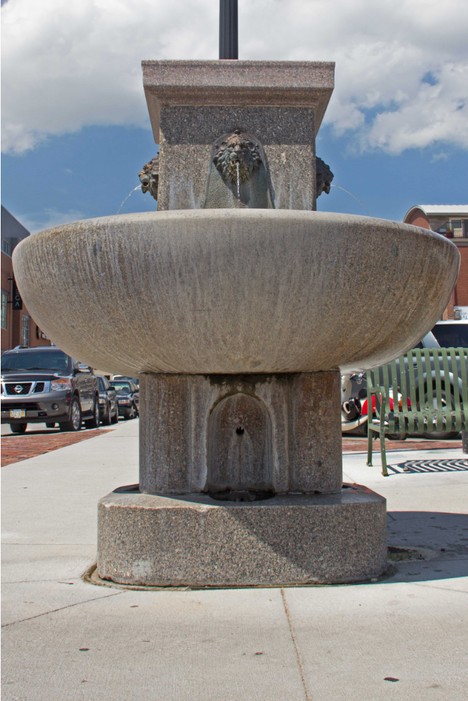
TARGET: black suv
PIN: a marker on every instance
(45, 385)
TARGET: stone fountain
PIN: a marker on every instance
(232, 304)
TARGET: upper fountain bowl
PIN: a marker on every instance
(235, 290)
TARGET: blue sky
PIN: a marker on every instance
(75, 130)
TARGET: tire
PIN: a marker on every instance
(115, 418)
(130, 413)
(94, 421)
(74, 422)
(441, 435)
(107, 419)
(18, 428)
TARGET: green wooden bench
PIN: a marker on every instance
(422, 392)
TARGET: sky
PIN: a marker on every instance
(75, 127)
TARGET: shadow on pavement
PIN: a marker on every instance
(430, 465)
(427, 545)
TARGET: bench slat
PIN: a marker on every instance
(424, 391)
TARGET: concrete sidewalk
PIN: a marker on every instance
(405, 637)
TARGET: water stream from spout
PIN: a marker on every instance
(338, 187)
(138, 187)
(238, 179)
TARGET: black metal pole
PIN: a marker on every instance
(228, 34)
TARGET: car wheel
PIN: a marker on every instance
(106, 419)
(360, 431)
(18, 428)
(397, 436)
(74, 422)
(94, 421)
(115, 418)
(126, 414)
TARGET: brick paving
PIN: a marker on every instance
(359, 445)
(23, 446)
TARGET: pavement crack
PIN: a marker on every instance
(300, 664)
(61, 608)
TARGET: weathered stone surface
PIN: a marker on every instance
(278, 433)
(235, 291)
(188, 135)
(314, 433)
(237, 84)
(198, 541)
(193, 104)
(239, 446)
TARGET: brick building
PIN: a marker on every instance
(450, 220)
(18, 328)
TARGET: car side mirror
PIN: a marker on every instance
(82, 367)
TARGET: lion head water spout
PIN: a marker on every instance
(149, 177)
(238, 174)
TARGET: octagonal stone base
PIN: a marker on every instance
(194, 540)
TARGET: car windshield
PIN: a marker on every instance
(451, 335)
(51, 361)
(122, 387)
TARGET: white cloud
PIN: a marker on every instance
(438, 114)
(48, 218)
(71, 64)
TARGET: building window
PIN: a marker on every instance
(443, 228)
(25, 330)
(41, 335)
(456, 226)
(6, 246)
(4, 309)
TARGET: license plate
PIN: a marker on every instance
(17, 413)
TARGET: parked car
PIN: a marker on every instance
(45, 385)
(108, 407)
(452, 333)
(127, 398)
(354, 410)
(133, 380)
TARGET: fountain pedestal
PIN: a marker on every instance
(241, 484)
(271, 434)
(195, 540)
